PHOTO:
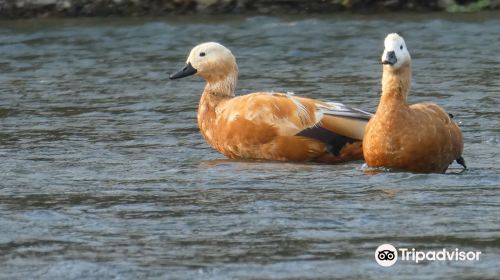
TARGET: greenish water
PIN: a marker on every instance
(104, 175)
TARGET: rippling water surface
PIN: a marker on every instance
(103, 173)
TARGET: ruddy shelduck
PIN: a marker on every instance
(268, 125)
(420, 138)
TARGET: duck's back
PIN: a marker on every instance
(262, 126)
(268, 126)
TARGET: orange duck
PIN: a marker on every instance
(418, 138)
(268, 125)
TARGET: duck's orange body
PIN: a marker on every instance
(271, 126)
(419, 138)
(266, 126)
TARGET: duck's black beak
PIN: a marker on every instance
(188, 70)
(390, 58)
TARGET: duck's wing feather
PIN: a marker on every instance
(284, 112)
(343, 120)
(443, 127)
(328, 122)
(341, 110)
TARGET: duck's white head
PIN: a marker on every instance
(212, 61)
(395, 52)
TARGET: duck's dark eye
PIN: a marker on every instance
(401, 47)
(202, 54)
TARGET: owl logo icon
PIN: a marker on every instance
(386, 255)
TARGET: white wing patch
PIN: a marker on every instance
(335, 108)
(301, 109)
(338, 106)
(318, 114)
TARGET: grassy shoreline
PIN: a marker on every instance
(13, 9)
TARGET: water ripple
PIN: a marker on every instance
(104, 173)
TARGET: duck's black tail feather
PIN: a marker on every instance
(334, 141)
(461, 161)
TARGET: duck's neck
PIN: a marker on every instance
(223, 85)
(216, 91)
(395, 84)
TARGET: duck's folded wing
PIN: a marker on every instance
(291, 115)
(341, 110)
(285, 114)
(341, 119)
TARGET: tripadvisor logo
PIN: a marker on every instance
(387, 255)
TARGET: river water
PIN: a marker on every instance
(104, 175)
